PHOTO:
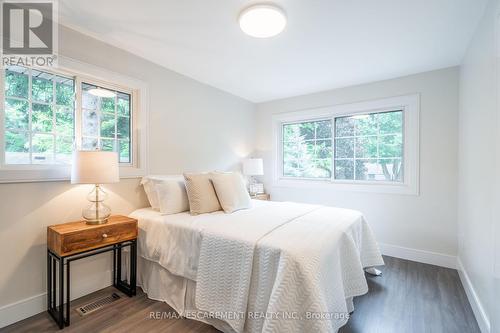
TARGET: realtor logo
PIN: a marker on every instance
(29, 33)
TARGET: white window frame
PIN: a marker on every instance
(94, 75)
(409, 104)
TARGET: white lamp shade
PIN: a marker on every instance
(94, 167)
(253, 167)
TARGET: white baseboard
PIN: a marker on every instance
(426, 257)
(22, 309)
(477, 307)
(31, 306)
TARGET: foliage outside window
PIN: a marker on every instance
(366, 147)
(369, 147)
(307, 149)
(40, 119)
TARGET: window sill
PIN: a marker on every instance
(349, 186)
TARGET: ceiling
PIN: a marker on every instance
(327, 44)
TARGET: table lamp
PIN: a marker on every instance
(254, 167)
(95, 167)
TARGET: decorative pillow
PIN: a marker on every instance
(172, 196)
(201, 193)
(149, 184)
(231, 191)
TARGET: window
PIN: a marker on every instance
(370, 146)
(40, 118)
(106, 121)
(46, 113)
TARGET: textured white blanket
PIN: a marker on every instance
(286, 267)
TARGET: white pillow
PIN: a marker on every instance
(231, 191)
(149, 183)
(172, 196)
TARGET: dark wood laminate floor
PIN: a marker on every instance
(413, 297)
(408, 297)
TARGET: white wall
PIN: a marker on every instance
(425, 222)
(479, 163)
(192, 127)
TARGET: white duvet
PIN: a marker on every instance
(277, 267)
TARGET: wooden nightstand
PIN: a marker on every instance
(261, 196)
(76, 240)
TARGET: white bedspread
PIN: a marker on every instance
(173, 241)
(278, 267)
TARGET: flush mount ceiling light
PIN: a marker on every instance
(262, 21)
(102, 92)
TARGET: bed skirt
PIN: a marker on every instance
(178, 292)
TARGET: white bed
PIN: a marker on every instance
(276, 267)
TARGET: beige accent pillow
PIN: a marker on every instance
(231, 191)
(201, 193)
(172, 196)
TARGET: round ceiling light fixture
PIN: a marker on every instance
(262, 21)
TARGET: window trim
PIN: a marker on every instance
(93, 74)
(409, 104)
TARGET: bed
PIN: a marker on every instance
(276, 267)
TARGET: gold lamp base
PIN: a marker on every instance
(94, 222)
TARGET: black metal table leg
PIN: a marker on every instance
(56, 312)
(54, 277)
(49, 280)
(114, 265)
(127, 288)
(67, 293)
(133, 267)
(61, 292)
(119, 266)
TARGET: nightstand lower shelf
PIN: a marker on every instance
(56, 277)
